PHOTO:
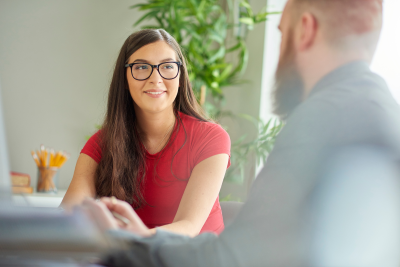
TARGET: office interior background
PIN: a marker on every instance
(56, 62)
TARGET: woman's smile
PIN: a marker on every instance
(155, 93)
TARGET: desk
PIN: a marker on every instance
(48, 200)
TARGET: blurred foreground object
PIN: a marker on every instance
(355, 215)
(5, 181)
(31, 235)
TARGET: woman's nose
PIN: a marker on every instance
(155, 76)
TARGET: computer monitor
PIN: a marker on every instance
(5, 182)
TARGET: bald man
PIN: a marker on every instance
(329, 192)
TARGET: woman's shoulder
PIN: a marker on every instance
(205, 138)
(198, 125)
(201, 130)
(93, 147)
(96, 137)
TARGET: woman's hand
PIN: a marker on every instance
(102, 212)
(122, 208)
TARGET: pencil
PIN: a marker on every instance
(124, 220)
(35, 158)
(57, 158)
(51, 163)
(39, 157)
(46, 152)
(42, 156)
(63, 160)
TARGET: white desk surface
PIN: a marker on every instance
(50, 200)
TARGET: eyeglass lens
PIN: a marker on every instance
(166, 70)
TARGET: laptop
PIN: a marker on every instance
(31, 236)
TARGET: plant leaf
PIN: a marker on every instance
(248, 21)
(219, 54)
(148, 15)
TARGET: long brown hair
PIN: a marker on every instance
(121, 171)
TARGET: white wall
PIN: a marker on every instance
(56, 60)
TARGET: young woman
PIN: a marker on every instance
(156, 150)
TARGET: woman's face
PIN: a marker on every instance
(155, 94)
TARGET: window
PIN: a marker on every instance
(387, 58)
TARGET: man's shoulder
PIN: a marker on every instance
(366, 90)
(365, 94)
(350, 111)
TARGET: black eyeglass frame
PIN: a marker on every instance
(152, 69)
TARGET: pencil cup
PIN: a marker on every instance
(47, 179)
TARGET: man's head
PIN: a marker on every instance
(319, 36)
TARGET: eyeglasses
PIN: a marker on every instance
(143, 71)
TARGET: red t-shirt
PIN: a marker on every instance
(163, 191)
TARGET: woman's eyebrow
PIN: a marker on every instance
(167, 59)
(141, 60)
(145, 61)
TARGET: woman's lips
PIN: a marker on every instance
(155, 93)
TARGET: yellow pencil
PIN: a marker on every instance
(39, 157)
(51, 164)
(35, 158)
(61, 160)
(57, 158)
(65, 158)
(42, 156)
(46, 152)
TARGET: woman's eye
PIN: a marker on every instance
(141, 67)
(169, 66)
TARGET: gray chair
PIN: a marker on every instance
(230, 209)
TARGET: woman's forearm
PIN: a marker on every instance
(183, 227)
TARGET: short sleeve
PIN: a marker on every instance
(214, 140)
(92, 147)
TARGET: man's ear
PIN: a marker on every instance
(307, 31)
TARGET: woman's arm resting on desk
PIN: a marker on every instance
(82, 184)
(199, 196)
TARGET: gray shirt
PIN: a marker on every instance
(327, 196)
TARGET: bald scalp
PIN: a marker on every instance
(340, 19)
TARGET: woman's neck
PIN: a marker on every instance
(154, 125)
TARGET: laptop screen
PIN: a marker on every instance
(5, 182)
